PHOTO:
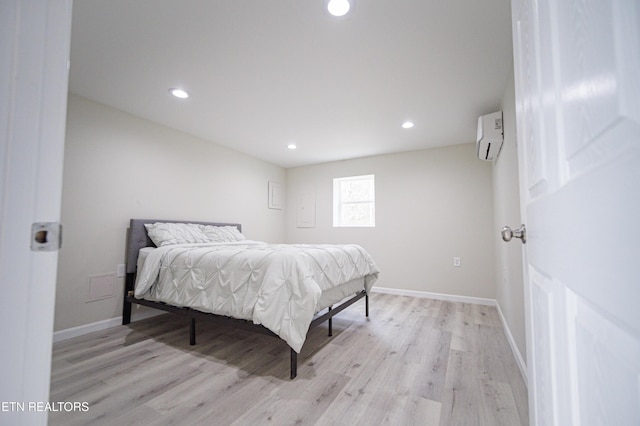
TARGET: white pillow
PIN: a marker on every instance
(221, 234)
(164, 234)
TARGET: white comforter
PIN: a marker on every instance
(278, 286)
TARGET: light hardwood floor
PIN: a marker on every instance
(413, 362)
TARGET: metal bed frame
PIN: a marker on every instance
(137, 238)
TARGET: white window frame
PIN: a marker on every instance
(338, 202)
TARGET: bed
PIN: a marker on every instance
(209, 270)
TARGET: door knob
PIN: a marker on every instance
(508, 233)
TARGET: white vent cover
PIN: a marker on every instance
(490, 136)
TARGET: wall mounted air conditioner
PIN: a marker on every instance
(490, 136)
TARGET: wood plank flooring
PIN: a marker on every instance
(413, 362)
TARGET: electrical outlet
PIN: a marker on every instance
(456, 261)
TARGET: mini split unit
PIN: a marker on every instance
(490, 136)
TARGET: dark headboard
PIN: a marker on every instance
(137, 237)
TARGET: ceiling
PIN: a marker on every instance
(266, 73)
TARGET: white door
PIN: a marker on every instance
(577, 73)
(34, 59)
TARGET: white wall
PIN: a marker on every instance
(506, 193)
(117, 167)
(431, 205)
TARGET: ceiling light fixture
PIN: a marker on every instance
(179, 93)
(292, 146)
(338, 7)
(407, 125)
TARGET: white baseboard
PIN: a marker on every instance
(437, 296)
(514, 348)
(81, 330)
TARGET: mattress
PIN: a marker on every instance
(279, 286)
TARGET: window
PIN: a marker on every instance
(354, 201)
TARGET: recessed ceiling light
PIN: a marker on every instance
(292, 146)
(179, 93)
(338, 7)
(407, 125)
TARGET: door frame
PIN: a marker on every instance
(34, 67)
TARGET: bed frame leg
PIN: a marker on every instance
(330, 324)
(126, 313)
(366, 305)
(126, 305)
(192, 332)
(294, 364)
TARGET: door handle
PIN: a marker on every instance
(508, 233)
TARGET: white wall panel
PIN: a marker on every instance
(117, 167)
(431, 206)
